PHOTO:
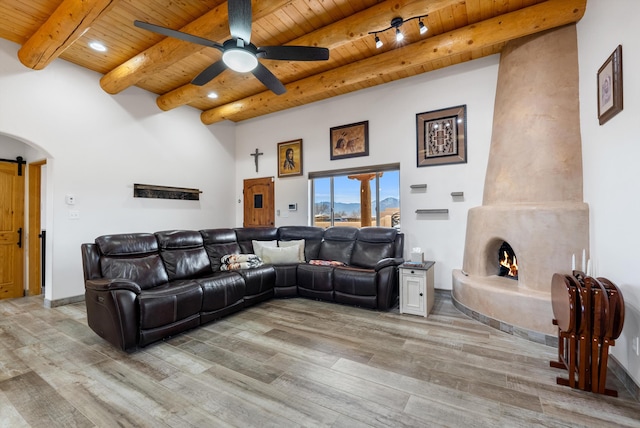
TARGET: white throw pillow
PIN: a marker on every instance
(259, 245)
(280, 255)
(295, 243)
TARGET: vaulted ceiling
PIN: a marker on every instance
(458, 31)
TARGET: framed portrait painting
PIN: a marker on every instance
(610, 86)
(442, 136)
(290, 158)
(348, 141)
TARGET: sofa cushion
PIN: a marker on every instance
(244, 236)
(299, 244)
(259, 246)
(315, 282)
(146, 271)
(319, 278)
(312, 236)
(359, 282)
(258, 280)
(127, 244)
(132, 256)
(220, 290)
(217, 243)
(280, 255)
(372, 245)
(355, 287)
(338, 244)
(183, 254)
(169, 303)
(286, 283)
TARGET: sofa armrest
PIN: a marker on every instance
(113, 312)
(390, 261)
(105, 284)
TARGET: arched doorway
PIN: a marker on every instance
(28, 272)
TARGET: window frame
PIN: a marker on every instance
(331, 174)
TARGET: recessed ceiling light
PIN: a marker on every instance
(212, 95)
(97, 46)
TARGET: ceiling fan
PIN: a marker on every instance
(238, 53)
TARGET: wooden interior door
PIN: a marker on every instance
(259, 203)
(35, 251)
(11, 230)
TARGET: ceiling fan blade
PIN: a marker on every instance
(294, 53)
(209, 73)
(240, 19)
(177, 34)
(268, 79)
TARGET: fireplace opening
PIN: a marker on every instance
(508, 261)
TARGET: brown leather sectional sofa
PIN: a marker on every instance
(144, 287)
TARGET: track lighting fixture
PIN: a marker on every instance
(397, 23)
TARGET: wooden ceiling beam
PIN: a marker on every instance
(65, 25)
(530, 20)
(332, 36)
(213, 25)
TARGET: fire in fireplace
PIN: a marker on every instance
(508, 261)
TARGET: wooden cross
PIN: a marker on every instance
(256, 154)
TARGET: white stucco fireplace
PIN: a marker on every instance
(533, 188)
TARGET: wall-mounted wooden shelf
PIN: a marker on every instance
(164, 192)
(433, 211)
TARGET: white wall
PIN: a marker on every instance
(97, 146)
(391, 111)
(610, 157)
(10, 148)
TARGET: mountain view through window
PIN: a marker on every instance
(357, 199)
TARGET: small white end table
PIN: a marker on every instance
(416, 288)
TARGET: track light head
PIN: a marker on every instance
(423, 28)
(399, 35)
(378, 42)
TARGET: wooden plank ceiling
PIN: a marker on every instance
(458, 31)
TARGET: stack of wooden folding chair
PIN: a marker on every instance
(589, 313)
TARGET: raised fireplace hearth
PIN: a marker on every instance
(533, 187)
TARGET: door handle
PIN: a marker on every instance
(20, 238)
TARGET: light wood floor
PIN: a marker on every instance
(287, 363)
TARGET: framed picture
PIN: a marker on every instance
(610, 86)
(442, 136)
(290, 158)
(349, 141)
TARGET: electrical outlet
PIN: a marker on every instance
(636, 345)
(74, 214)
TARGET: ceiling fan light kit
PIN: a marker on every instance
(241, 58)
(397, 23)
(238, 53)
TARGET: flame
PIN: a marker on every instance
(511, 265)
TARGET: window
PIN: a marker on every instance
(357, 197)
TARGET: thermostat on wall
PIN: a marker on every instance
(293, 207)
